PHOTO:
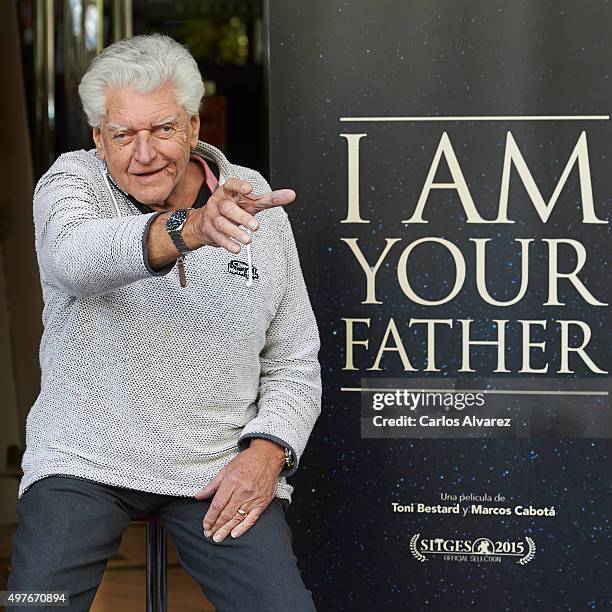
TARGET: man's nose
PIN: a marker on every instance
(144, 152)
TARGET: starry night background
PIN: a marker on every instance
(332, 59)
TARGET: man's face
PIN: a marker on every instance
(145, 140)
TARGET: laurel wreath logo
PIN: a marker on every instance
(530, 553)
(416, 553)
(414, 550)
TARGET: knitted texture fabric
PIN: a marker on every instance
(149, 385)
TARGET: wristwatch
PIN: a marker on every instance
(174, 226)
(289, 460)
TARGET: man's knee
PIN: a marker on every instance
(65, 534)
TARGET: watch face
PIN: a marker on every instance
(176, 219)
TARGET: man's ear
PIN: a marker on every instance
(195, 130)
(99, 142)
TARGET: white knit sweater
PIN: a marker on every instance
(149, 385)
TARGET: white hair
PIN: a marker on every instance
(144, 64)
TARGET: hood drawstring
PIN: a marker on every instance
(104, 173)
(249, 281)
(249, 261)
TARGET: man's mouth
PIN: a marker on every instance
(151, 173)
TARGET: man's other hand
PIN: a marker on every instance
(248, 482)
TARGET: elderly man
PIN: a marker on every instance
(178, 379)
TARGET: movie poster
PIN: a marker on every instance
(452, 165)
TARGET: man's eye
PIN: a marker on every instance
(165, 130)
(121, 137)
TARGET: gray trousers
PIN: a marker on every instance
(69, 528)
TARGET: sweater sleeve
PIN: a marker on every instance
(79, 251)
(290, 378)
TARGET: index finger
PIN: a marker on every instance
(278, 197)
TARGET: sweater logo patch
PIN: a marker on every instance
(235, 266)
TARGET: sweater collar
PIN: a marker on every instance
(207, 151)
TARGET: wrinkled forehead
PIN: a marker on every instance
(127, 109)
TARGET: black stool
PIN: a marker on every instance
(157, 566)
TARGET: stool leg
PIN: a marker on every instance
(151, 566)
(162, 570)
(157, 568)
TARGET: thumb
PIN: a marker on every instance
(211, 488)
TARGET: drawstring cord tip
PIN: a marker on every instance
(249, 281)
